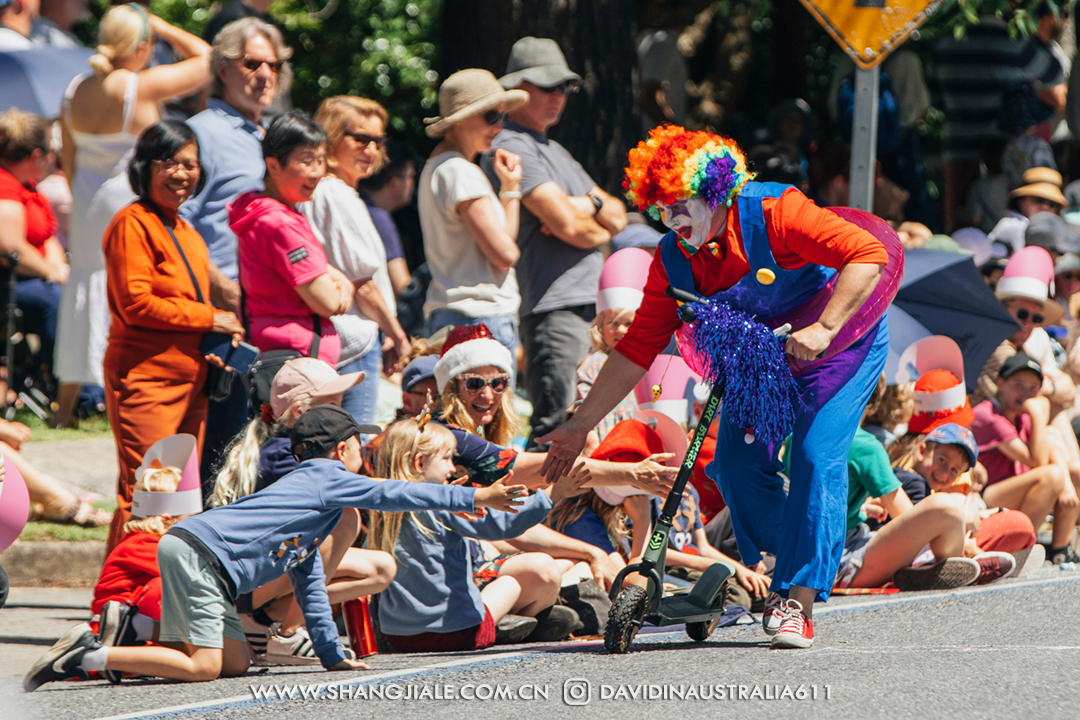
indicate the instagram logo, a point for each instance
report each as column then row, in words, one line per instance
column 577, row 691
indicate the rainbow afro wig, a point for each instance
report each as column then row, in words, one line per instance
column 678, row 164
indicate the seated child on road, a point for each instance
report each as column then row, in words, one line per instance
column 206, row 561
column 1025, row 462
column 433, row 605
column 607, row 329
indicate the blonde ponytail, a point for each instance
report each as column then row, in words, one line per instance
column 121, row 32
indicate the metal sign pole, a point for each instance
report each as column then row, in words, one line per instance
column 864, row 139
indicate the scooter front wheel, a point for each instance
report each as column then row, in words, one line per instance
column 625, row 618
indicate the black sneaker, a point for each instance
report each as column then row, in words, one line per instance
column 513, row 629
column 1064, row 555
column 554, row 623
column 115, row 629
column 62, row 660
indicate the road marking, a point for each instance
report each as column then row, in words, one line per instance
column 478, row 663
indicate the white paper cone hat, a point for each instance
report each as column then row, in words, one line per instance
column 174, row 451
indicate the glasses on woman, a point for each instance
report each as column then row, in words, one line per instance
column 1073, row 275
column 494, row 117
column 253, row 64
column 1022, row 314
column 171, row 166
column 364, row 139
column 475, row 384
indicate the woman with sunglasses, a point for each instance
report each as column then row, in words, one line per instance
column 159, row 297
column 103, row 116
column 473, row 377
column 470, row 233
column 340, row 220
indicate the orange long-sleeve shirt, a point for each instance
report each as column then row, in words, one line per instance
column 157, row 320
column 799, row 233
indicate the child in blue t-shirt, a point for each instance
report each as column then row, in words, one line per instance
column 209, row 559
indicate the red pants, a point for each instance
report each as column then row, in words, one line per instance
column 143, row 410
column 1006, row 531
column 475, row 638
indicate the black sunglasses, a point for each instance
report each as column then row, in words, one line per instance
column 365, row 139
column 253, row 64
column 1023, row 314
column 476, row 384
column 570, row 86
column 494, row 117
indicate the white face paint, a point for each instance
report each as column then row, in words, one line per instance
column 690, row 219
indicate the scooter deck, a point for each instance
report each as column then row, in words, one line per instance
column 676, row 609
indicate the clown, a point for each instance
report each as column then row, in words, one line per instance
column 765, row 250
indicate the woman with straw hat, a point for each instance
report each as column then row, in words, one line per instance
column 469, row 231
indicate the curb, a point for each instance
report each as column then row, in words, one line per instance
column 53, row 564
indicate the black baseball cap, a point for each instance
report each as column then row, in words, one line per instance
column 1020, row 361
column 321, row 428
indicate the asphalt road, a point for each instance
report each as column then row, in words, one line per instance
column 1009, row 650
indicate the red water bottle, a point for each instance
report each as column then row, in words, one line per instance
column 358, row 624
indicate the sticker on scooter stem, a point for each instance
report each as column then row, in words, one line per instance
column 656, row 541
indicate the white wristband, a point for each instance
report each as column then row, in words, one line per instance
column 511, row 195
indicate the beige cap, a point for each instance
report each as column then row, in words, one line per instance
column 307, row 377
column 471, row 92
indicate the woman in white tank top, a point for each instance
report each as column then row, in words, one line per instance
column 103, row 115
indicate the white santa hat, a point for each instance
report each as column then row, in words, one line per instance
column 174, row 451
column 622, row 281
column 468, row 347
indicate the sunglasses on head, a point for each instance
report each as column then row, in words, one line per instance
column 365, row 139
column 570, row 86
column 476, row 384
column 1023, row 314
column 494, row 117
column 253, row 64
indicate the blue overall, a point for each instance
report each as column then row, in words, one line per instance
column 805, row 527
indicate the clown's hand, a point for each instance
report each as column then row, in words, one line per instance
column 810, row 342
column 566, row 443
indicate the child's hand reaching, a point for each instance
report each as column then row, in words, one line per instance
column 571, row 485
column 500, row 496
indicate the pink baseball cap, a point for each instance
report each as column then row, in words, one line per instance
column 307, row 377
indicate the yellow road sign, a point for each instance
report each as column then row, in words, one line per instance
column 870, row 29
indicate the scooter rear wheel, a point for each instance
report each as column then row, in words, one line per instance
column 625, row 618
column 701, row 631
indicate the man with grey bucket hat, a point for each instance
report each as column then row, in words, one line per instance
column 565, row 221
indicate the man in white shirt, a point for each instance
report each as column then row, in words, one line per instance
column 16, row 17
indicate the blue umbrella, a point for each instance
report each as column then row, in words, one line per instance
column 946, row 295
column 34, row 80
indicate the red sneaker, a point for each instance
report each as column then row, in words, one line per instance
column 796, row 630
column 993, row 566
column 774, row 613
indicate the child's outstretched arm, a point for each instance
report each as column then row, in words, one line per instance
column 500, row 496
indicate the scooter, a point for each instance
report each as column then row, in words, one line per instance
column 700, row 606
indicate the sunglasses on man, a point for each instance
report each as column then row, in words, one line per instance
column 253, row 64
column 570, row 86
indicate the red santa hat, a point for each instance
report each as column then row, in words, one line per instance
column 650, row 432
column 622, row 281
column 468, row 347
column 173, row 451
column 676, row 382
column 940, row 394
column 1029, row 275
column 14, row 504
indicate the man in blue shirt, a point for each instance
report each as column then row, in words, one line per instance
column 250, row 65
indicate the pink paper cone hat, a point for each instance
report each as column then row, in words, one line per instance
column 622, row 281
column 1030, row 275
column 676, row 381
column 173, row 451
column 936, row 366
column 14, row 505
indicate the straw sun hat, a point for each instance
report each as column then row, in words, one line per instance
column 1040, row 182
column 471, row 92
